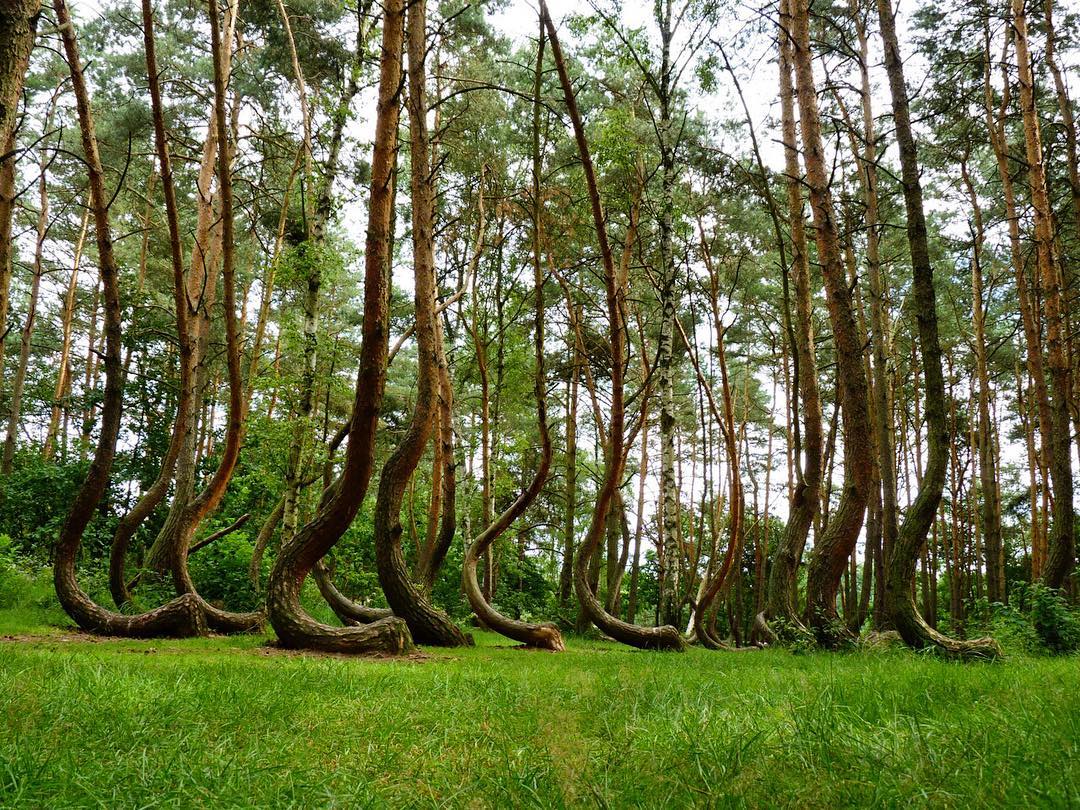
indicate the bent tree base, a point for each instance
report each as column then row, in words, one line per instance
column 297, row 630
column 183, row 616
column 917, row 634
column 349, row 611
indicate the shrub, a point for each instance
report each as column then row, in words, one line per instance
column 221, row 572
column 1057, row 625
column 1037, row 619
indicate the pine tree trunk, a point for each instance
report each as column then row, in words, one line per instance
column 566, row 572
column 995, row 585
column 666, row 637
column 183, row 616
column 27, row 333
column 427, row 624
column 1061, row 556
column 18, row 27
column 294, row 627
column 835, row 545
column 804, row 507
column 63, row 363
column 900, row 564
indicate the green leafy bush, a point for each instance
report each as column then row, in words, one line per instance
column 1037, row 619
column 221, row 572
column 1057, row 625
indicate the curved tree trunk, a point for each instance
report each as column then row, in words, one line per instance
column 167, row 554
column 294, row 627
column 1061, row 554
column 183, row 616
column 210, row 497
column 18, row 27
column 442, row 511
column 427, row 624
column 806, row 497
column 344, row 608
column 546, row 636
column 665, row 637
column 708, row 605
column 441, row 534
column 153, row 496
column 900, row 564
column 835, row 545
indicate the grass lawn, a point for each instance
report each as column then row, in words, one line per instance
column 229, row 722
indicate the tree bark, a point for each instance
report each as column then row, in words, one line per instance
column 879, row 315
column 833, row 546
column 665, row 637
column 63, row 362
column 806, row 498
column 153, row 496
column 900, row 564
column 294, row 627
column 1061, row 556
column 544, row 636
column 566, row 572
column 18, row 27
column 427, row 624
column 27, row 332
column 991, row 524
column 183, row 616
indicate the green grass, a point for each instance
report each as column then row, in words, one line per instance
column 225, row 722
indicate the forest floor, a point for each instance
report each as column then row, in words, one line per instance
column 231, row 722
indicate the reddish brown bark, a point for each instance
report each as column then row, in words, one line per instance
column 428, row 624
column 183, row 616
column 294, row 627
column 665, row 637
column 836, row 543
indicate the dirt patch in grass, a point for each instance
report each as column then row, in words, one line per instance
column 269, row 649
column 53, row 638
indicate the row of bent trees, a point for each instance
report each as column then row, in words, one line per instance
column 411, row 617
